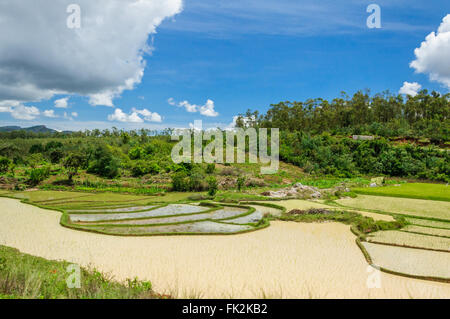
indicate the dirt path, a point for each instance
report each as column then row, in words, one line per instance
column 285, row 260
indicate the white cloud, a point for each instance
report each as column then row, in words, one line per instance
column 22, row 112
column 62, row 103
column 49, row 113
column 191, row 108
column 171, row 101
column 74, row 114
column 149, row 116
column 432, row 57
column 410, row 88
column 40, row 56
column 134, row 116
column 19, row 111
column 120, row 116
column 206, row 110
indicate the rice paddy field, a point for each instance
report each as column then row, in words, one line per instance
column 418, row 262
column 403, row 206
column 245, row 258
column 409, row 190
column 285, row 260
column 402, row 238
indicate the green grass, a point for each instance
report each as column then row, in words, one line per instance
column 410, row 190
column 40, row 196
column 29, row 277
column 361, row 225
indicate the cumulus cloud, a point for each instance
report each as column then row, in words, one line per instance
column 133, row 117
column 207, row 109
column 22, row 112
column 62, row 103
column 40, row 56
column 432, row 57
column 149, row 116
column 49, row 113
column 410, row 88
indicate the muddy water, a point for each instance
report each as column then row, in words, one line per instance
column 289, row 260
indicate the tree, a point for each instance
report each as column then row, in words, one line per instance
column 212, row 186
column 240, row 182
column 4, row 164
column 37, row 175
column 72, row 163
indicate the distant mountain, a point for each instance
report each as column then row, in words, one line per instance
column 34, row 129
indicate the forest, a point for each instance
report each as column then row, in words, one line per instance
column 410, row 139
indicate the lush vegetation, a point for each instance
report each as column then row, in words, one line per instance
column 410, row 190
column 315, row 144
column 425, row 115
column 25, row 276
column 363, row 225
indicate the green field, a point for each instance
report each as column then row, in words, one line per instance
column 426, row 209
column 409, row 190
column 29, row 277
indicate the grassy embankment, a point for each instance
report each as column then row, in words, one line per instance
column 29, row 277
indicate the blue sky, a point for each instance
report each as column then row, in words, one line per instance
column 250, row 54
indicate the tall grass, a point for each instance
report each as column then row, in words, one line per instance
column 25, row 276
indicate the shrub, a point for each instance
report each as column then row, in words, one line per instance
column 4, row 164
column 56, row 156
column 52, row 145
column 240, row 183
column 180, row 182
column 135, row 153
column 141, row 168
column 212, row 186
column 36, row 148
column 38, row 175
column 104, row 164
column 72, row 163
column 210, row 168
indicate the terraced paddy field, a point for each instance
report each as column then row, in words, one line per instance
column 409, row 190
column 406, row 239
column 429, row 223
column 428, row 231
column 416, row 262
column 404, row 206
column 286, row 260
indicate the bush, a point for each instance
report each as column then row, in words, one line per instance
column 104, row 164
column 141, row 168
column 38, row 175
column 56, row 156
column 212, row 186
column 4, row 164
column 36, row 148
column 180, row 182
column 72, row 163
column 210, row 168
column 136, row 153
column 240, row 183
